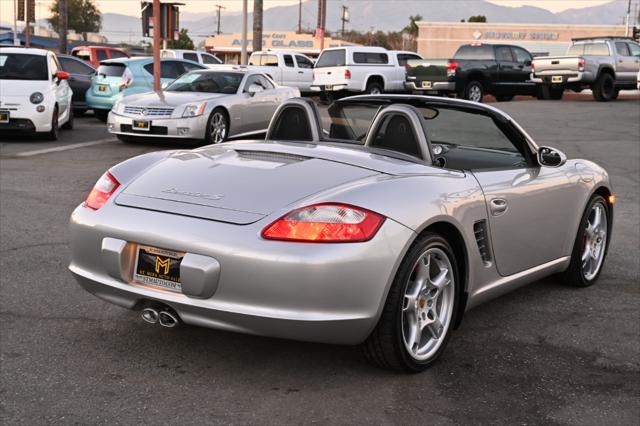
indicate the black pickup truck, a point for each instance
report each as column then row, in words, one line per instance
column 475, row 70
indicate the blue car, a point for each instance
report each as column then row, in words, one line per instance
column 116, row 78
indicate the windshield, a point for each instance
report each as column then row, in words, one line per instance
column 112, row 70
column 331, row 58
column 19, row 66
column 208, row 82
column 348, row 122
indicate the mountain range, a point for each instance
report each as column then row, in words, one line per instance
column 384, row 15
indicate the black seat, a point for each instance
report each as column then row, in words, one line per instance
column 292, row 125
column 397, row 135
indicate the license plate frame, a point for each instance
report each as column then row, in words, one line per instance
column 158, row 268
column 141, row 125
column 427, row 85
column 5, row 117
column 328, row 87
column 102, row 88
column 556, row 79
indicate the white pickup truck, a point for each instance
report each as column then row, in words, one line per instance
column 371, row 70
column 285, row 67
column 198, row 56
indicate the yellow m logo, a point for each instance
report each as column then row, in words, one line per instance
column 163, row 263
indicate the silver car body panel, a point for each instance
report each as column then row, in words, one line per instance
column 309, row 291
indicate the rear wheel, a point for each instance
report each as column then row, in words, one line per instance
column 374, row 88
column 101, row 114
column 217, row 127
column 604, row 88
column 590, row 247
column 417, row 319
column 474, row 91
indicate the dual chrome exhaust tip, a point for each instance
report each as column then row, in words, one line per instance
column 165, row 316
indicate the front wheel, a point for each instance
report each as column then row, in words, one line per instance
column 217, row 127
column 417, row 319
column 52, row 135
column 69, row 124
column 474, row 91
column 590, row 246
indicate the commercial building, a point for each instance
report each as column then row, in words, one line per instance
column 228, row 46
column 442, row 39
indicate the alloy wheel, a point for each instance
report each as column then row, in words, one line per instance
column 594, row 241
column 475, row 93
column 218, row 128
column 428, row 303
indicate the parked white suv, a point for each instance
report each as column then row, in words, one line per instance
column 285, row 67
column 34, row 93
column 198, row 56
column 370, row 70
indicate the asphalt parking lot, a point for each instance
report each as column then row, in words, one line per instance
column 546, row 353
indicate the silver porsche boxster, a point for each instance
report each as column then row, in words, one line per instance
column 378, row 222
column 207, row 105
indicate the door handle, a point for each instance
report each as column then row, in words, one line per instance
column 300, row 72
column 498, row 206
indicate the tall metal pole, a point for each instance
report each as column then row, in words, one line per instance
column 27, row 32
column 219, row 8
column 322, row 10
column 626, row 27
column 299, row 16
column 257, row 25
column 324, row 22
column 16, row 42
column 156, row 46
column 62, row 25
column 243, row 52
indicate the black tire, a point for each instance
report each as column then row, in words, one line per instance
column 385, row 345
column 575, row 275
column 374, row 88
column 616, row 92
column 474, row 91
column 215, row 114
column 52, row 135
column 69, row 124
column 79, row 112
column 101, row 114
column 604, row 88
column 504, row 98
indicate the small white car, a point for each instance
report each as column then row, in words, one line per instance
column 34, row 93
column 362, row 69
column 198, row 56
column 285, row 67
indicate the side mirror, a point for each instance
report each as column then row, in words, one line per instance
column 254, row 88
column 527, row 63
column 62, row 75
column 551, row 157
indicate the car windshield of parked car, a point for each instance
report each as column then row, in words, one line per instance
column 331, row 58
column 111, row 70
column 207, row 82
column 19, row 66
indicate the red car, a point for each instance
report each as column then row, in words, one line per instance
column 95, row 54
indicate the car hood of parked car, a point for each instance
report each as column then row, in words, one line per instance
column 169, row 99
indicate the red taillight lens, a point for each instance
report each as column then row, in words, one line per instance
column 102, row 191
column 533, row 66
column 452, row 66
column 581, row 64
column 325, row 223
column 347, row 74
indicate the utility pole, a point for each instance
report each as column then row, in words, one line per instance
column 219, row 8
column 626, row 27
column 257, row 25
column 156, row 45
column 243, row 51
column 299, row 16
column 322, row 20
column 344, row 19
column 63, row 23
column 16, row 42
column 27, row 30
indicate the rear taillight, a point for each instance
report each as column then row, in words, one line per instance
column 533, row 66
column 452, row 66
column 581, row 64
column 325, row 223
column 406, row 68
column 347, row 74
column 102, row 191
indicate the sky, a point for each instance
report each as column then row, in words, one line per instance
column 132, row 7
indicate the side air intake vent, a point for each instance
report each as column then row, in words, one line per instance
column 276, row 157
column 482, row 239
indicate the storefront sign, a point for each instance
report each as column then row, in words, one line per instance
column 515, row 35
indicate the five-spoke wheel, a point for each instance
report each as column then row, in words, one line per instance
column 218, row 127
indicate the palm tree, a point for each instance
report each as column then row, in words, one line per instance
column 257, row 25
column 412, row 28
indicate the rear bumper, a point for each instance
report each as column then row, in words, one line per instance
column 568, row 77
column 100, row 102
column 436, row 86
column 180, row 128
column 330, row 293
column 329, row 87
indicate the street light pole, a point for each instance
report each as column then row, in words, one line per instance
column 243, row 52
column 62, row 27
column 27, row 31
column 156, row 45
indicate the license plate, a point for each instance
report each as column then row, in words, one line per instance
column 556, row 79
column 328, row 87
column 4, row 116
column 158, row 267
column 102, row 88
column 426, row 85
column 143, row 125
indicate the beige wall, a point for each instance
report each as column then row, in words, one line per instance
column 442, row 39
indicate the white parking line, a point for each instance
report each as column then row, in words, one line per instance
column 63, row 148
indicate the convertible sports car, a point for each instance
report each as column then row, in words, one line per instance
column 379, row 222
column 209, row 105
